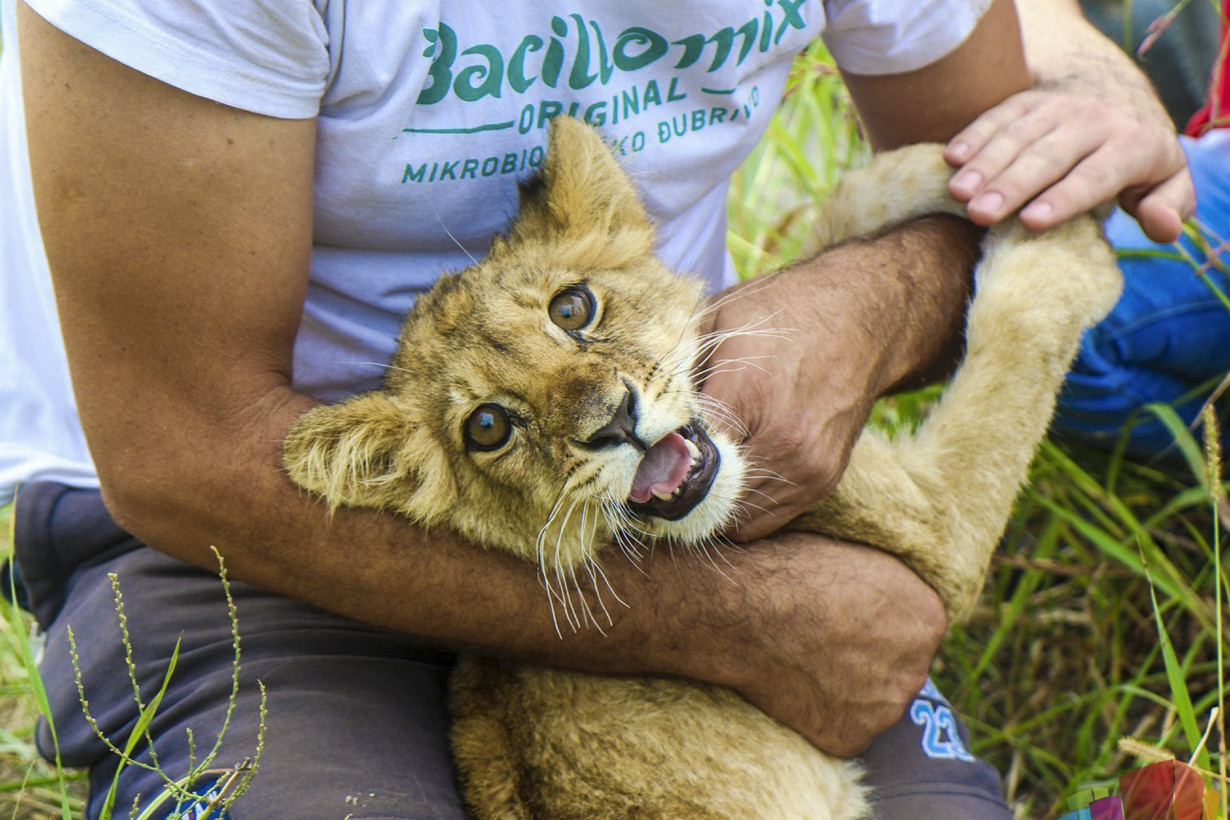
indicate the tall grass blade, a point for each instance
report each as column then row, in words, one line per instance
column 1177, row 678
column 16, row 626
column 139, row 732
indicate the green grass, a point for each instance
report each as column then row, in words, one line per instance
column 1073, row 648
column 1105, row 564
column 29, row 788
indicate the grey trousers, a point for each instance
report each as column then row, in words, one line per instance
column 356, row 718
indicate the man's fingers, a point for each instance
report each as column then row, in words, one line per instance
column 1064, row 163
column 1159, row 209
column 1055, row 156
column 1162, row 210
column 974, row 137
column 1057, row 166
column 1091, row 182
column 1008, row 152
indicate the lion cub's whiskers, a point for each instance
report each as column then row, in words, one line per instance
column 570, row 612
column 708, row 342
column 626, row 531
column 558, row 572
column 621, row 522
column 755, row 470
column 618, row 522
column 630, row 546
column 456, row 242
column 744, row 503
column 544, row 572
column 715, row 410
column 691, row 361
column 761, row 493
column 687, row 359
column 701, row 549
column 715, row 543
column 595, row 572
column 739, row 515
column 381, row 365
column 587, row 549
column 729, row 296
column 731, row 366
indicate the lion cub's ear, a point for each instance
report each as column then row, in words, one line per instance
column 580, row 193
column 366, row 452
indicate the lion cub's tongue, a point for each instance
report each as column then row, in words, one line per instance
column 662, row 469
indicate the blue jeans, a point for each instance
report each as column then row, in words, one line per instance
column 1168, row 338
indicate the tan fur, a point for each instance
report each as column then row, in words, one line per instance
column 533, row 742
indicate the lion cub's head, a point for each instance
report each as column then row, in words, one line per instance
column 541, row 401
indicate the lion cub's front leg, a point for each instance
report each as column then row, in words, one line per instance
column 940, row 498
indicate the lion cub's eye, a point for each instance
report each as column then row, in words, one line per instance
column 572, row 308
column 488, row 428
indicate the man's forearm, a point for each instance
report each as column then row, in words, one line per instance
column 856, row 322
column 1065, row 52
column 827, row 637
column 909, row 288
column 371, row 566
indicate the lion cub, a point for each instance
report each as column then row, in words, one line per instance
column 542, row 402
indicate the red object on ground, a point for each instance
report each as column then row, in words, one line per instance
column 1169, row 790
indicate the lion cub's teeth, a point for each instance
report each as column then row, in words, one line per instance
column 694, row 452
column 662, row 496
column 692, row 449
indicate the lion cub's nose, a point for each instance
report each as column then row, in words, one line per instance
column 621, row 429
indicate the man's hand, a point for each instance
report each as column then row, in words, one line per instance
column 1062, row 154
column 1067, row 125
column 1090, row 129
column 800, row 382
column 824, row 340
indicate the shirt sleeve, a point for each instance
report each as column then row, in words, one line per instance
column 872, row 37
column 269, row 57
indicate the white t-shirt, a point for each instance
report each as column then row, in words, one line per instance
column 428, row 114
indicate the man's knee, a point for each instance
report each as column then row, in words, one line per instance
column 922, row 769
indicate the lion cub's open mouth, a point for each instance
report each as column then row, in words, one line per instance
column 675, row 474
